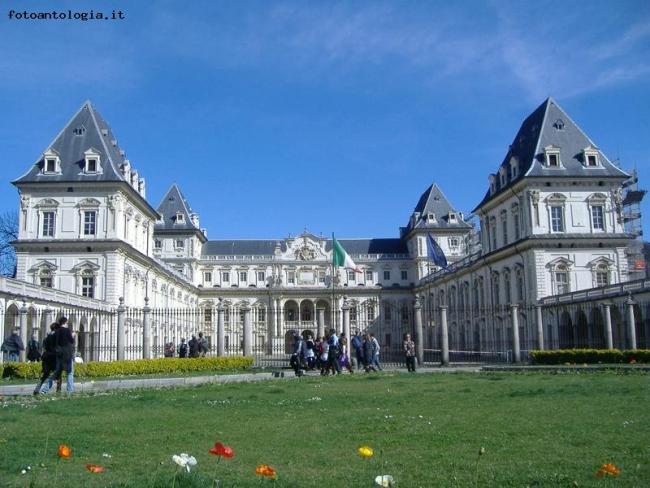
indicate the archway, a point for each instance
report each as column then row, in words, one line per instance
column 565, row 331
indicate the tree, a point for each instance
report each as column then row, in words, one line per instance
column 8, row 233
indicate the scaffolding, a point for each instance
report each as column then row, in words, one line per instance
column 632, row 197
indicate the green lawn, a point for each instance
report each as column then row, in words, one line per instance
column 537, row 429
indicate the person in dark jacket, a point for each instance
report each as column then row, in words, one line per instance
column 182, row 349
column 368, row 349
column 12, row 345
column 194, row 347
column 33, row 349
column 298, row 354
column 64, row 355
column 48, row 358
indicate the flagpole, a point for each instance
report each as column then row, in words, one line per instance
column 332, row 319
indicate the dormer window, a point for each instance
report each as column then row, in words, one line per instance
column 51, row 162
column 514, row 167
column 559, row 124
column 590, row 157
column 493, row 186
column 452, row 217
column 552, row 157
column 431, row 217
column 92, row 161
column 180, row 218
column 502, row 176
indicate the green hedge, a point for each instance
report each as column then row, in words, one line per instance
column 591, row 356
column 136, row 367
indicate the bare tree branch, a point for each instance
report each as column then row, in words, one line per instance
column 8, row 233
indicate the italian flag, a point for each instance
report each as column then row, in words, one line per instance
column 342, row 258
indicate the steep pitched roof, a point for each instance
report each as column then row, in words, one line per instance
column 86, row 130
column 175, row 211
column 549, row 126
column 435, row 202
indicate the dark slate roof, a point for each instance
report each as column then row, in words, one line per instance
column 251, row 247
column 267, row 247
column 172, row 203
column 548, row 126
column 433, row 200
column 87, row 129
column 371, row 246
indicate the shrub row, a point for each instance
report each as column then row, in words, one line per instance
column 590, row 356
column 136, row 367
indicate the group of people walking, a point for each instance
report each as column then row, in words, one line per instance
column 196, row 347
column 57, row 358
column 330, row 354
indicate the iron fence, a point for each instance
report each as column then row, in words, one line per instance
column 475, row 336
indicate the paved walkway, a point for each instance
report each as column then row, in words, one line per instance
column 27, row 389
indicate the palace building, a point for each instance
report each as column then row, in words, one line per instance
column 552, row 222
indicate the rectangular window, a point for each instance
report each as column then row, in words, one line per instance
column 321, row 276
column 387, row 315
column 180, row 244
column 291, row 277
column 368, row 275
column 553, row 160
column 557, row 219
column 48, row 224
column 351, row 276
column 243, row 276
column 225, row 277
column 90, row 218
column 46, row 281
column 561, row 282
column 207, row 315
column 404, row 274
column 520, row 288
column 505, row 232
column 516, row 222
column 386, row 275
column 91, row 166
column 370, row 314
column 592, row 161
column 50, row 166
column 88, row 286
column 602, row 278
column 261, row 276
column 404, row 312
column 207, row 277
column 157, row 244
column 261, row 315
column 597, row 217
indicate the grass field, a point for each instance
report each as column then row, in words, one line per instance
column 537, row 430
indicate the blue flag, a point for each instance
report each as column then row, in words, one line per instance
column 435, row 253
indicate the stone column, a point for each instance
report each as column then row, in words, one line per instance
column 320, row 315
column 540, row 327
column 419, row 342
column 221, row 330
column 444, row 337
column 609, row 340
column 516, row 351
column 121, row 323
column 280, row 318
column 631, row 326
column 248, row 330
column 270, row 326
column 345, row 309
column 146, row 330
column 23, row 330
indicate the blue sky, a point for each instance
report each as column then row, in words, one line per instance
column 276, row 116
